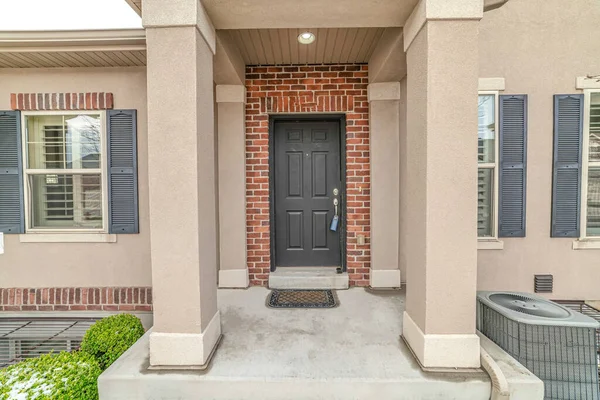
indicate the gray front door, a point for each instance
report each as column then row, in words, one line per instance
column 307, row 171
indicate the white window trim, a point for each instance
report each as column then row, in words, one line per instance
column 486, row 240
column 489, row 244
column 74, row 235
column 62, row 237
column 585, row 82
column 585, row 242
column 491, row 84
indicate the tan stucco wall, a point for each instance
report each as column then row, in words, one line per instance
column 388, row 61
column 243, row 14
column 403, row 176
column 125, row 263
column 182, row 179
column 385, row 120
column 540, row 47
column 232, row 190
column 441, row 183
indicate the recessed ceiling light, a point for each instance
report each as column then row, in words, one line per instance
column 306, row 37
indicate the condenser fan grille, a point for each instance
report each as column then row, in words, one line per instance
column 530, row 306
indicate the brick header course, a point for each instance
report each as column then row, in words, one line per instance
column 76, row 299
column 61, row 101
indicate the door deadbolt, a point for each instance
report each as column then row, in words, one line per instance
column 335, row 192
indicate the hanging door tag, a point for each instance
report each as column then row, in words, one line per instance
column 334, row 223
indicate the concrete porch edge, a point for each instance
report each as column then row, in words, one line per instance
column 522, row 383
column 297, row 355
column 441, row 351
column 271, row 361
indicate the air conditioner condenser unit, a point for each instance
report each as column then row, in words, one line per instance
column 555, row 343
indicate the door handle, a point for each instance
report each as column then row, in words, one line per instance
column 334, row 221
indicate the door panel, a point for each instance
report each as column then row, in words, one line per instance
column 320, row 229
column 294, row 174
column 307, row 170
column 319, row 174
column 294, row 230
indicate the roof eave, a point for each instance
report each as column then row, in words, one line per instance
column 110, row 39
column 135, row 7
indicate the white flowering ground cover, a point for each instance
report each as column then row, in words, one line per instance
column 50, row 377
column 72, row 376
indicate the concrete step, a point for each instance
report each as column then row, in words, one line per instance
column 308, row 278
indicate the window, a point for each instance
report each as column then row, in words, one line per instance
column 590, row 198
column 487, row 156
column 64, row 171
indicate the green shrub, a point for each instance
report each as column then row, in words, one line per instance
column 64, row 376
column 110, row 337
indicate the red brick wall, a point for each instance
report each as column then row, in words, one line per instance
column 76, row 299
column 318, row 89
column 61, row 101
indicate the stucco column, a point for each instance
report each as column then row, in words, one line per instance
column 233, row 269
column 384, row 114
column 441, row 39
column 182, row 177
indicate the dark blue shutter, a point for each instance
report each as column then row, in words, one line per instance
column 513, row 165
column 122, row 172
column 566, row 185
column 12, row 215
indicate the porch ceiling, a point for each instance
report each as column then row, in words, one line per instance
column 280, row 46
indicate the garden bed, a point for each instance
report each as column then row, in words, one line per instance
column 72, row 375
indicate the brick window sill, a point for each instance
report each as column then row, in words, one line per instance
column 68, row 238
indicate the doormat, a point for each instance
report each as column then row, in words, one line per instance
column 302, row 299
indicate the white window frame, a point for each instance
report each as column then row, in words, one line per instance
column 103, row 174
column 585, row 164
column 496, row 166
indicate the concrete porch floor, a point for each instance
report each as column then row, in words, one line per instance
column 353, row 351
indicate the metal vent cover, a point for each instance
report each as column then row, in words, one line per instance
column 528, row 308
column 23, row 338
column 543, row 283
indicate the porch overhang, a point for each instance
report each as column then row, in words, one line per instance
column 241, row 14
column 100, row 48
column 238, row 14
column 52, row 49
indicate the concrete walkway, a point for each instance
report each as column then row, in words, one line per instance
column 353, row 351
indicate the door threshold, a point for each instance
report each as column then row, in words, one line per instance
column 308, row 278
